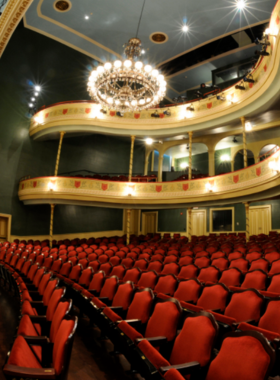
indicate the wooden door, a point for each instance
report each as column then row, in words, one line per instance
column 4, row 227
column 149, row 222
column 134, row 222
column 260, row 219
column 198, row 222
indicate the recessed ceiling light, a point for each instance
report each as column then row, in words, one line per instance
column 185, row 28
column 86, row 17
column 143, row 51
column 37, row 88
column 240, row 4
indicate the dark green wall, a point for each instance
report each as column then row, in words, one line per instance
column 222, row 166
column 30, row 58
column 172, row 220
column 275, row 212
column 239, row 161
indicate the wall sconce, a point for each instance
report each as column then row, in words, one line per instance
column 190, row 108
column 51, row 186
column 209, row 187
column 271, row 32
column 230, row 98
column 274, row 166
column 184, row 165
column 248, row 126
column 149, row 141
column 249, row 79
column 240, row 86
column 261, row 53
column 155, row 114
column 225, row 157
column 38, row 119
column 167, row 112
column 221, row 97
column 103, row 111
column 130, row 190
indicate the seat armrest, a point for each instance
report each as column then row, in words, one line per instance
column 116, row 308
column 38, row 318
column 35, row 373
column 105, row 300
column 250, row 322
column 37, row 340
column 133, row 322
column 184, row 369
column 92, row 291
column 156, row 341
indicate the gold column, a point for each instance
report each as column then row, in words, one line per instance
column 232, row 165
column 244, row 142
column 189, row 223
column 58, row 153
column 246, row 204
column 211, row 162
column 131, row 158
column 190, row 155
column 128, row 213
column 146, row 165
column 160, row 162
column 153, row 161
column 51, row 224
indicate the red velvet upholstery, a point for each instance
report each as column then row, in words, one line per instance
column 156, row 266
column 270, row 320
column 26, row 327
column 115, row 260
column 163, row 326
column 148, row 280
column 253, row 256
column 171, row 268
column 173, row 374
column 188, row 271
column 53, row 302
column 97, row 282
column 242, row 358
column 86, row 277
column 118, row 271
column 222, row 263
column 186, row 260
column 268, row 334
column 170, row 259
column 128, row 262
column 26, row 308
column 94, row 265
column 132, row 274
column 213, row 298
column 106, row 268
column 22, row 356
column 114, row 317
column 188, row 291
column 244, row 306
column 231, row 277
column 38, row 277
column 166, row 285
column 123, row 295
column 275, row 268
column 44, row 282
column 59, row 314
column 140, row 306
column 255, row 280
column 260, row 264
column 210, row 274
column 65, row 329
column 272, row 256
column 241, row 264
column 152, row 354
column 129, row 331
column 202, row 262
column 109, row 288
column 49, row 291
column 275, row 284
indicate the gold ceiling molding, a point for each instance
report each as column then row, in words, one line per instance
column 10, row 18
column 249, row 181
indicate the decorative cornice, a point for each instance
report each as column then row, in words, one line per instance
column 13, row 13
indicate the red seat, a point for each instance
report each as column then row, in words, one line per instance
column 241, row 264
column 256, row 279
column 188, row 290
column 231, row 277
column 188, row 271
column 214, row 297
column 272, row 256
column 202, row 262
column 132, row 275
column 210, row 274
column 222, row 263
column 260, row 264
column 166, row 284
column 171, row 268
column 156, row 266
column 148, row 280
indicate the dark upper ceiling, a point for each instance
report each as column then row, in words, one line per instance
column 219, row 33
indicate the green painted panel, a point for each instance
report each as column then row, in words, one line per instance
column 172, row 220
column 222, row 166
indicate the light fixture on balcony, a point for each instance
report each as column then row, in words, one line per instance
column 209, row 187
column 274, row 166
column 127, row 85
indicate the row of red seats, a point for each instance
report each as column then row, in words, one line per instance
column 160, row 323
column 44, row 338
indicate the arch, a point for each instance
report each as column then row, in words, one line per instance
column 238, row 161
column 267, row 150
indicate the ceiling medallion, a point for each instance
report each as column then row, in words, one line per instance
column 158, row 37
column 62, row 5
column 127, row 85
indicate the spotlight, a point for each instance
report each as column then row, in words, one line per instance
column 261, row 53
column 248, row 126
column 149, row 141
column 36, row 94
column 239, row 87
column 248, row 79
column 167, row 112
column 103, row 110
column 241, row 4
column 264, row 42
column 190, row 108
column 155, row 114
column 37, row 88
column 30, row 105
column 143, row 51
column 33, row 99
column 185, row 28
column 120, row 114
column 221, row 97
column 86, row 17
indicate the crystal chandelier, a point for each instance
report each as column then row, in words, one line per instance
column 127, row 85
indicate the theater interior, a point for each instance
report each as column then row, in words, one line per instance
column 140, row 189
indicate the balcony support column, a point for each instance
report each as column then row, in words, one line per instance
column 51, row 224
column 128, row 214
column 189, row 220
column 190, row 154
column 244, row 142
column 58, row 153
column 211, row 162
column 247, row 209
column 131, row 158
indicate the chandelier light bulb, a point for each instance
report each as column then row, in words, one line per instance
column 100, row 69
column 160, row 78
column 148, row 68
column 108, row 66
column 185, row 28
column 37, row 88
column 240, row 4
column 134, row 102
column 33, row 99
column 110, row 100
column 118, row 64
column 138, row 65
column 142, row 101
column 31, row 105
column 127, row 63
column 154, row 73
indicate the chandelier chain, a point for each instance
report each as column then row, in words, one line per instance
column 140, row 18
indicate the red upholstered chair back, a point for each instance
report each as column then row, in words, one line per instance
column 202, row 262
column 75, row 273
column 156, row 266
column 86, row 277
column 243, row 356
column 164, row 320
column 63, row 345
column 261, row 264
column 38, row 277
column 141, row 305
column 119, row 271
column 66, row 269
column 245, row 306
column 270, row 320
column 170, row 259
column 44, row 282
column 128, row 262
column 62, row 309
column 222, row 263
column 110, row 287
column 275, row 284
column 52, row 284
column 231, row 277
column 211, row 274
column 26, row 267
column 195, row 341
column 103, row 258
column 255, row 279
column 97, row 281
column 275, row 267
column 241, row 264
column 186, row 260
column 202, row 254
column 188, row 290
column 132, row 274
column 253, row 256
column 148, row 280
column 171, row 268
column 166, row 284
column 107, row 268
column 272, row 256
column 56, row 265
column 53, row 302
column 141, row 264
column 14, row 260
column 214, row 297
column 123, row 295
column 188, row 271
